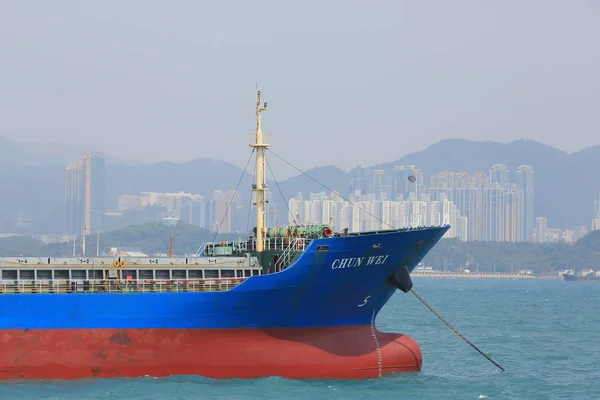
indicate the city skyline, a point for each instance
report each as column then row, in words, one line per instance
column 566, row 205
column 496, row 200
column 380, row 185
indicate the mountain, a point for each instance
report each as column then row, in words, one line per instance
column 33, row 195
column 11, row 153
column 32, row 198
column 37, row 154
column 321, row 179
column 470, row 156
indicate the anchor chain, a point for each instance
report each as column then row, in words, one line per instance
column 455, row 331
column 379, row 359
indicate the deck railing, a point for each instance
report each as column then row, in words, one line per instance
column 285, row 259
column 120, row 286
column 283, row 243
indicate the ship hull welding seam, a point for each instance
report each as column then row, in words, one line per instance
column 314, row 319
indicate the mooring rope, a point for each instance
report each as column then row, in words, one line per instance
column 455, row 331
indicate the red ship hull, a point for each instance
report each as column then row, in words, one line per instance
column 354, row 352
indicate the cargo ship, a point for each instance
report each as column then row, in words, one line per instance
column 292, row 301
column 571, row 276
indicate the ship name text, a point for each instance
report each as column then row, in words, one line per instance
column 354, row 262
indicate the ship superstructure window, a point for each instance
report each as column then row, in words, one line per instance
column 179, row 274
column 195, row 274
column 96, row 274
column 61, row 274
column 211, row 273
column 146, row 274
column 27, row 275
column 227, row 273
column 44, row 274
column 78, row 274
column 247, row 272
column 129, row 273
column 163, row 274
column 9, row 274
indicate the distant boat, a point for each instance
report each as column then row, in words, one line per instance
column 292, row 301
column 571, row 277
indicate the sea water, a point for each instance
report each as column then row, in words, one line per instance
column 545, row 333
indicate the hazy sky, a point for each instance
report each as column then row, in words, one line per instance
column 346, row 80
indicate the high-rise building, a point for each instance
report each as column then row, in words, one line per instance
column 416, row 189
column 442, row 186
column 360, row 181
column 450, row 216
column 192, row 210
column 187, row 207
column 494, row 208
column 402, row 187
column 378, row 187
column 479, row 180
column 525, row 183
column 462, row 229
column 513, row 226
column 84, row 195
column 541, row 229
column 596, row 217
column 74, row 198
column 222, row 219
column 93, row 166
column 467, row 200
column 499, row 173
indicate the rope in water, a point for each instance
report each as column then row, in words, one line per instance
column 455, row 331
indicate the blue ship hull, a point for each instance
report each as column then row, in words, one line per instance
column 322, row 301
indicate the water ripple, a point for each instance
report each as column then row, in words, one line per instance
column 544, row 333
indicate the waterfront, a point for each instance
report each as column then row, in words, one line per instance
column 479, row 275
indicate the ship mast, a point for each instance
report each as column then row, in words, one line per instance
column 261, row 186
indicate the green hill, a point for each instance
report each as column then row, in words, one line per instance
column 150, row 238
column 506, row 256
column 153, row 237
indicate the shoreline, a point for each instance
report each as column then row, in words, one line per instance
column 481, row 275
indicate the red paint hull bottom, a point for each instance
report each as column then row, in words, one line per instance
column 299, row 353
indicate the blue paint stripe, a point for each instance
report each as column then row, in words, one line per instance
column 308, row 294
